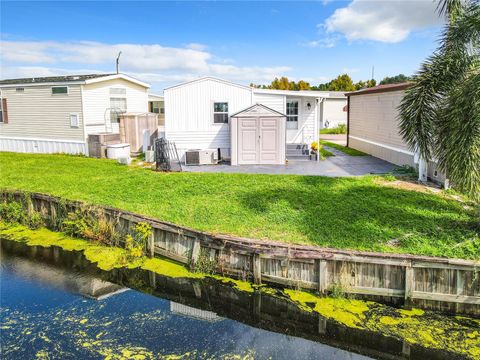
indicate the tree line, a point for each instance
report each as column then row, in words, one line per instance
column 341, row 83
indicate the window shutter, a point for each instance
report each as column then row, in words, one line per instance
column 4, row 111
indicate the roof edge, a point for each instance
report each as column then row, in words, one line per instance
column 204, row 78
column 117, row 76
column 380, row 89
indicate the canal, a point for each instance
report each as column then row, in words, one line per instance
column 55, row 304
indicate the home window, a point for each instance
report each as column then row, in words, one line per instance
column 292, row 114
column 19, row 89
column 1, row 110
column 59, row 90
column 220, row 113
column 117, row 106
column 118, row 91
column 74, row 120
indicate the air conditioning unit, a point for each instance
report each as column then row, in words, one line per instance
column 201, row 157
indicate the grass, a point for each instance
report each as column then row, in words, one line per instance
column 325, row 153
column 344, row 149
column 340, row 129
column 353, row 213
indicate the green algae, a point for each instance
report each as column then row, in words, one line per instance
column 417, row 327
column 458, row 334
column 107, row 257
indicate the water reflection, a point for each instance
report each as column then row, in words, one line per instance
column 57, row 304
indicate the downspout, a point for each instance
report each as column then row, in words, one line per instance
column 84, row 125
column 319, row 114
column 348, row 120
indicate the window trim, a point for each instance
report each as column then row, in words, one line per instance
column 78, row 120
column 298, row 114
column 220, row 112
column 62, row 94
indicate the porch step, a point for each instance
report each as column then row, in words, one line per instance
column 298, row 152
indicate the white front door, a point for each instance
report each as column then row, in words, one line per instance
column 259, row 141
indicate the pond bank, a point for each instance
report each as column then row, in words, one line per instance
column 443, row 284
column 415, row 327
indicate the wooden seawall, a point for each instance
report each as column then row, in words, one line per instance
column 450, row 285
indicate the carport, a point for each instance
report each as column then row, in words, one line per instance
column 258, row 136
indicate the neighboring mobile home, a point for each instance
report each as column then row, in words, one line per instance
column 57, row 114
column 197, row 116
column 373, row 127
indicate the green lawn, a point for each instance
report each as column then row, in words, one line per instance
column 356, row 213
column 344, row 149
column 341, row 129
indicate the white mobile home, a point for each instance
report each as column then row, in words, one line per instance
column 197, row 114
column 373, row 128
column 57, row 114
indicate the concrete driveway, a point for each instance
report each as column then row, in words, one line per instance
column 338, row 165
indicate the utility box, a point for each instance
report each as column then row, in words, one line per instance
column 97, row 143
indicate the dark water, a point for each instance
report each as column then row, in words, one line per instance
column 57, row 305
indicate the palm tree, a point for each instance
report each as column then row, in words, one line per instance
column 440, row 113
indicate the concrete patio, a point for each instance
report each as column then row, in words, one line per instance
column 338, row 165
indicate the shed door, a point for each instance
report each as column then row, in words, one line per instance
column 258, row 141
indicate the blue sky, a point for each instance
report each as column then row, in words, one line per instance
column 165, row 43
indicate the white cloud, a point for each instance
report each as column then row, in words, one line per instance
column 197, row 46
column 152, row 63
column 388, row 21
column 327, row 42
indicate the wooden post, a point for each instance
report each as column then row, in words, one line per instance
column 322, row 277
column 460, row 286
column 257, row 269
column 195, row 252
column 409, row 282
column 151, row 244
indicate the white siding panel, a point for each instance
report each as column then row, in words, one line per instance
column 273, row 101
column 333, row 112
column 36, row 113
column 42, row 146
column 96, row 98
column 189, row 113
column 373, row 117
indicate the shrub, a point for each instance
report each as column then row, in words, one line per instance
column 12, row 212
column 35, row 220
column 91, row 225
column 204, row 264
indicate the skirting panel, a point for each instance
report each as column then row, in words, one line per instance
column 43, row 146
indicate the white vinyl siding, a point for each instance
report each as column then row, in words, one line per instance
column 273, row 101
column 374, row 117
column 36, row 113
column 189, row 113
column 96, row 98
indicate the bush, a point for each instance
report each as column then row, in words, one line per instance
column 87, row 224
column 12, row 212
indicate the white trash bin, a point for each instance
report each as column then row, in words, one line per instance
column 120, row 152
